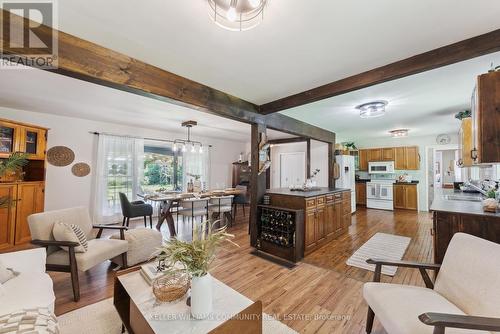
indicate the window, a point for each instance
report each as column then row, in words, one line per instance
column 162, row 168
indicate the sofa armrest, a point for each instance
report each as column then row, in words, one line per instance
column 440, row 321
column 26, row 261
column 47, row 243
column 422, row 267
column 122, row 230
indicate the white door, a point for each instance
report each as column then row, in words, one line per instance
column 292, row 169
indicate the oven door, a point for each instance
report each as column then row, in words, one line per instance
column 372, row 190
column 386, row 191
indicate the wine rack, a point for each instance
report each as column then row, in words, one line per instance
column 280, row 232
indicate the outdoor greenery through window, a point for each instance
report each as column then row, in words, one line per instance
column 162, row 168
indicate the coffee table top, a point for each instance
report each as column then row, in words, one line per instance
column 175, row 317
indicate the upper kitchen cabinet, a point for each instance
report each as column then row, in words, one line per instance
column 486, row 117
column 465, row 143
column 363, row 160
column 406, row 158
column 18, row 137
column 388, row 154
column 375, row 154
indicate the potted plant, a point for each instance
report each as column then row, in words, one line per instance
column 10, row 167
column 4, row 202
column 196, row 258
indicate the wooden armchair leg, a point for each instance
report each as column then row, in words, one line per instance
column 74, row 274
column 369, row 320
column 124, row 260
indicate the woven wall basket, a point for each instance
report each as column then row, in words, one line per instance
column 80, row 169
column 60, row 156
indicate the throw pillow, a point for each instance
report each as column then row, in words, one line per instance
column 70, row 232
column 38, row 320
column 6, row 273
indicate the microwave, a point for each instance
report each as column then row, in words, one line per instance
column 381, row 167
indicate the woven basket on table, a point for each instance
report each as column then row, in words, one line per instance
column 171, row 286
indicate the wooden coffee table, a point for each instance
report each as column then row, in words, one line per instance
column 142, row 314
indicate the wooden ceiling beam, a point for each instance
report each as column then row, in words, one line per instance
column 84, row 60
column 446, row 55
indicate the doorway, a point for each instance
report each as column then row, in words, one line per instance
column 292, row 168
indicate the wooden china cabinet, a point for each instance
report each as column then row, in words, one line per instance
column 28, row 192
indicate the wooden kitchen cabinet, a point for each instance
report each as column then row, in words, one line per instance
column 406, row 158
column 412, row 158
column 405, row 196
column 10, row 133
column 486, row 112
column 310, row 229
column 446, row 224
column 360, row 193
column 363, row 160
column 375, row 154
column 388, row 154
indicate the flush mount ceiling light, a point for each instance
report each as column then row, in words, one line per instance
column 372, row 109
column 237, row 15
column 399, row 133
column 183, row 143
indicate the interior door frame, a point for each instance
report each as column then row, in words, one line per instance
column 303, row 154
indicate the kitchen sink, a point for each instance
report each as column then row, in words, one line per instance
column 464, row 198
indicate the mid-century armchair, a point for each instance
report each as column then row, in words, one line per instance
column 465, row 297
column 99, row 250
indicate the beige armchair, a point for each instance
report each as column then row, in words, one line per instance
column 465, row 297
column 99, row 250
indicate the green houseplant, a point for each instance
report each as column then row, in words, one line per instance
column 12, row 165
column 195, row 258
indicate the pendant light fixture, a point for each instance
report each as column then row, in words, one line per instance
column 185, row 142
column 398, row 133
column 237, row 15
column 372, row 109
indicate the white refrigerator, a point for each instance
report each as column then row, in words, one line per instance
column 347, row 177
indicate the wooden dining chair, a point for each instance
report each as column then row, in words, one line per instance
column 220, row 206
column 193, row 208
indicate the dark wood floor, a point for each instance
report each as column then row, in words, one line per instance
column 321, row 295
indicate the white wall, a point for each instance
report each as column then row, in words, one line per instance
column 64, row 190
column 422, row 143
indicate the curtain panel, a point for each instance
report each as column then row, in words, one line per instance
column 120, row 168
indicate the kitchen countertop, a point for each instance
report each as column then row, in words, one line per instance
column 442, row 204
column 313, row 193
column 412, row 182
column 363, row 180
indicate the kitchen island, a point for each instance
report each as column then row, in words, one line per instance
column 454, row 211
column 324, row 214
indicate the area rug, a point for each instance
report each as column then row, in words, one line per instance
column 101, row 318
column 380, row 246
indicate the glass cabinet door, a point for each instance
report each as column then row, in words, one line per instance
column 8, row 134
column 32, row 140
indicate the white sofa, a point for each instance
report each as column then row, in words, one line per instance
column 32, row 288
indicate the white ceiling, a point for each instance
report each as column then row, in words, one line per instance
column 424, row 103
column 41, row 91
column 300, row 45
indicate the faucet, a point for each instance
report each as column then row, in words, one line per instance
column 471, row 185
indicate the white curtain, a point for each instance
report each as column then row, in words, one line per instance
column 120, row 168
column 195, row 163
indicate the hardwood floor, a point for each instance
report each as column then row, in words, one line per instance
column 320, row 295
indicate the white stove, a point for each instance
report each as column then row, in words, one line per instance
column 379, row 194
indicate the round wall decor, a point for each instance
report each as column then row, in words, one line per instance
column 60, row 156
column 80, row 169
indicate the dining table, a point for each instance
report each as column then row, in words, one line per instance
column 168, row 199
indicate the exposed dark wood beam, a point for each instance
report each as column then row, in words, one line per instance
column 446, row 55
column 287, row 140
column 84, row 60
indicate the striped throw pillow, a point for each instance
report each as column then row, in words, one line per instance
column 70, row 232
